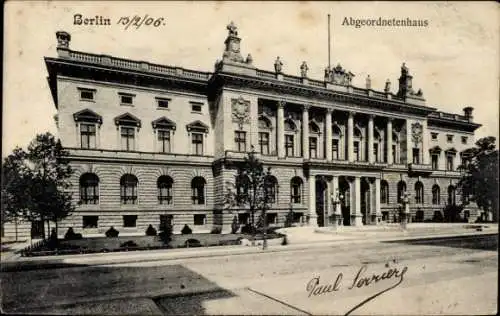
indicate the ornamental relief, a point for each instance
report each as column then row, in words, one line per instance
column 240, row 109
column 416, row 132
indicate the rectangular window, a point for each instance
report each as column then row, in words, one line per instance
column 289, row 145
column 464, row 140
column 394, row 155
column 197, row 143
column 162, row 103
column 129, row 220
column 243, row 218
column 128, row 138
column 272, row 218
column 434, row 136
column 375, row 151
column 264, row 143
column 313, row 147
column 90, row 221
column 297, row 217
column 240, row 139
column 356, row 151
column 196, row 107
column 200, row 219
column 449, row 138
column 86, row 94
column 435, row 162
column 416, row 155
column 449, row 163
column 88, row 136
column 126, row 98
column 164, row 141
column 335, row 149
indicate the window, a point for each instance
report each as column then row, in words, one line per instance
column 87, row 136
column 335, row 149
column 356, row 151
column 264, row 143
column 394, row 154
column 198, row 190
column 243, row 218
column 436, row 194
column 164, row 141
column 196, row 107
column 449, row 162
column 200, row 219
column 384, row 192
column 313, row 147
column 271, row 185
column 296, row 190
column 197, row 143
column 162, row 103
column 240, row 139
column 89, row 189
column 272, row 218
column 86, row 94
column 449, row 138
column 375, row 151
column 464, row 140
column 451, row 195
column 434, row 136
column 297, row 217
column 289, row 145
column 128, row 189
column 419, row 193
column 126, row 99
column 435, row 161
column 401, row 190
column 90, row 221
column 164, row 185
column 129, row 220
column 128, row 138
column 416, row 155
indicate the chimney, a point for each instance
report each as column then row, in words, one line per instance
column 468, row 113
column 63, row 39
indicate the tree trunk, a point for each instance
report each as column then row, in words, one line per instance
column 15, row 224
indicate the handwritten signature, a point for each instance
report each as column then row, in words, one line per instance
column 362, row 279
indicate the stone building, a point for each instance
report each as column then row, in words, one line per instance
column 152, row 143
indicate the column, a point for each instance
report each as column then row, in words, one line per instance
column 409, row 147
column 313, row 217
column 371, row 157
column 378, row 212
column 350, row 134
column 328, row 134
column 389, row 141
column 280, row 132
column 356, row 216
column 305, row 132
column 425, row 144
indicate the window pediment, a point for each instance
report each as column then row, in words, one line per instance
column 163, row 123
column 451, row 151
column 290, row 125
column 264, row 122
column 314, row 128
column 87, row 115
column 197, row 126
column 435, row 150
column 127, row 119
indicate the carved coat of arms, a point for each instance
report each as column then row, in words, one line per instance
column 240, row 109
column 416, row 132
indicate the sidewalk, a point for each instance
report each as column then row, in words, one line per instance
column 298, row 238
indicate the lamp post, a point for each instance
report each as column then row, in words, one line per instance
column 405, row 201
column 336, row 214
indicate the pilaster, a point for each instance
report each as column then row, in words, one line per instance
column 313, row 217
column 389, row 142
column 281, row 129
column 350, row 134
column 328, row 134
column 371, row 157
column 305, row 132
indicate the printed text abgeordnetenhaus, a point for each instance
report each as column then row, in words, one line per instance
column 407, row 22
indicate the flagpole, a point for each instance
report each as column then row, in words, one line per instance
column 329, row 64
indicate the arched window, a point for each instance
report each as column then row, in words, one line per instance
column 296, row 190
column 198, row 190
column 271, row 189
column 164, row 185
column 419, row 193
column 242, row 188
column 451, row 195
column 128, row 189
column 384, row 192
column 89, row 188
column 401, row 190
column 264, row 132
column 436, row 194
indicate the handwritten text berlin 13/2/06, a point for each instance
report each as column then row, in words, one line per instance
column 134, row 21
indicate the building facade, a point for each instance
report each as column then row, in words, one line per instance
column 151, row 143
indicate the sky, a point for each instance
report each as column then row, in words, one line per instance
column 454, row 60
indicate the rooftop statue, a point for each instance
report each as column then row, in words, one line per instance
column 339, row 75
column 303, row 70
column 278, row 65
column 233, row 30
column 368, row 82
column 387, row 88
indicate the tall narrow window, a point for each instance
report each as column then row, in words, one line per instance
column 335, row 149
column 128, row 189
column 240, row 139
column 401, row 190
column 271, row 184
column 87, row 136
column 264, row 143
column 436, row 198
column 89, row 189
column 375, row 151
column 416, row 156
column 296, row 190
column 197, row 143
column 394, row 154
column 164, row 185
column 384, row 192
column 128, row 138
column 357, row 155
column 449, row 162
column 198, row 190
column 313, row 147
column 164, row 141
column 451, row 195
column 289, row 145
column 435, row 161
column 419, row 193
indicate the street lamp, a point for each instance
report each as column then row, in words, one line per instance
column 336, row 214
column 405, row 201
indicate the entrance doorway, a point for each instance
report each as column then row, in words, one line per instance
column 37, row 229
column 344, row 190
column 321, row 204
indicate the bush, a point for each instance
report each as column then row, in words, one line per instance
column 150, row 231
column 235, row 225
column 216, row 230
column 186, row 230
column 192, row 243
column 71, row 235
column 166, row 233
column 112, row 232
column 128, row 244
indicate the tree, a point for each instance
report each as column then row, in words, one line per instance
column 36, row 182
column 480, row 175
column 251, row 190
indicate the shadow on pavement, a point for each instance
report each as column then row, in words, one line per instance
column 77, row 289
column 480, row 242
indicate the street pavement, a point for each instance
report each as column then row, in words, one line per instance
column 412, row 277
